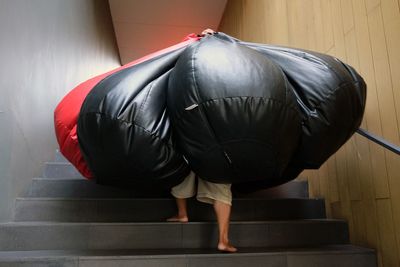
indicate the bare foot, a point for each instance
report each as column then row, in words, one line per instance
column 226, row 247
column 176, row 218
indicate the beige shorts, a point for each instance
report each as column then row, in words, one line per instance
column 207, row 192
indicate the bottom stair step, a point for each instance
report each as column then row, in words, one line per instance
column 52, row 235
column 327, row 256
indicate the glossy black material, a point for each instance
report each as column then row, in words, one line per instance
column 330, row 94
column 250, row 114
column 247, row 124
column 124, row 130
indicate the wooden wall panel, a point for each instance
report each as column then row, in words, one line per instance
column 318, row 26
column 391, row 22
column 253, row 10
column 382, row 75
column 332, row 183
column 347, row 15
column 276, row 22
column 371, row 4
column 386, row 230
column 372, row 113
column 360, row 234
column 361, row 182
column 327, row 26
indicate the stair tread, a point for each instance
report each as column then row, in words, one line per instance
column 323, row 249
column 155, row 199
column 39, row 235
column 79, row 187
column 57, row 163
column 158, row 209
column 86, row 179
column 61, row 179
column 46, row 223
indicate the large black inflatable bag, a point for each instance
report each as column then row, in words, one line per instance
column 233, row 111
column 330, row 94
column 124, row 131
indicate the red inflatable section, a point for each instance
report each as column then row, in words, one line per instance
column 67, row 112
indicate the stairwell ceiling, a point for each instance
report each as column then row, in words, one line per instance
column 144, row 26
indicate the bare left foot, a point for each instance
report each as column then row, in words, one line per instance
column 226, row 247
column 182, row 219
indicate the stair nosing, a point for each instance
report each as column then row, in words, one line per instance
column 75, row 178
column 57, row 163
column 22, row 198
column 317, row 250
column 60, row 223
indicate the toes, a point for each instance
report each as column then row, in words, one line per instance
column 177, row 219
column 226, row 248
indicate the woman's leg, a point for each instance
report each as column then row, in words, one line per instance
column 181, row 192
column 220, row 196
column 182, row 211
column 223, row 211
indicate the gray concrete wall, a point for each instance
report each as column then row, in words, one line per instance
column 46, row 48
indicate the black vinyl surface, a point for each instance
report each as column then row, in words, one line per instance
column 254, row 115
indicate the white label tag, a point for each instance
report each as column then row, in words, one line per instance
column 191, row 107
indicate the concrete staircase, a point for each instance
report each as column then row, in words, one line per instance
column 65, row 220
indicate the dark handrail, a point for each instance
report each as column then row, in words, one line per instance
column 379, row 141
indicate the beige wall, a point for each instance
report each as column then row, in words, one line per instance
column 46, row 48
column 361, row 183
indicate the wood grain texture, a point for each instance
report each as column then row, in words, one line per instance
column 361, row 182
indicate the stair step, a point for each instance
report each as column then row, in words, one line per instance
column 83, row 188
column 321, row 256
column 148, row 210
column 62, row 235
column 60, row 170
column 66, row 220
column 59, row 157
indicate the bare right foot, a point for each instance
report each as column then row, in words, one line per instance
column 226, row 247
column 182, row 219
